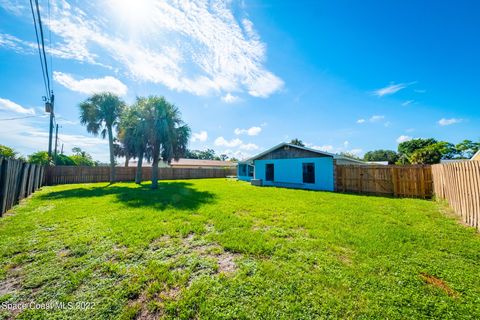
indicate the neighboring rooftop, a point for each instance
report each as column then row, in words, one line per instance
column 189, row 163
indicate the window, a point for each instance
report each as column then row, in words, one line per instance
column 308, row 173
column 269, row 172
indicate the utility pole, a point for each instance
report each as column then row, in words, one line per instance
column 50, row 108
column 56, row 142
column 61, row 152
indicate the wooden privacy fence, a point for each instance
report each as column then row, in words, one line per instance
column 399, row 181
column 69, row 174
column 17, row 181
column 459, row 184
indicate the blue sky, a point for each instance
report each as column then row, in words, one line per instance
column 340, row 75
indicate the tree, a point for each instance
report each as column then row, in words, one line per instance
column 7, row 152
column 100, row 114
column 428, row 155
column 408, row 147
column 467, row 148
column 447, row 149
column 297, row 142
column 120, row 150
column 223, row 157
column 167, row 133
column 81, row 158
column 133, row 134
column 208, row 154
column 40, row 157
column 64, row 160
column 381, row 155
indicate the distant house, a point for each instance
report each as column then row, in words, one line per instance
column 189, row 163
column 476, row 156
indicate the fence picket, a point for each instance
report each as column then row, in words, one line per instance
column 459, row 184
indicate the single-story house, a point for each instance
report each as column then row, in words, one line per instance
column 288, row 165
column 188, row 163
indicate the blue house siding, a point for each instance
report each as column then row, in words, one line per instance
column 289, row 173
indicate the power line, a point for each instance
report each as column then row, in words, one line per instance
column 43, row 44
column 49, row 99
column 50, row 41
column 39, row 50
column 17, row 118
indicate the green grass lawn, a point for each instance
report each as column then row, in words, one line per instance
column 219, row 248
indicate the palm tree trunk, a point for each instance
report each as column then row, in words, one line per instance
column 156, row 155
column 155, row 174
column 127, row 159
column 138, row 174
column 112, row 156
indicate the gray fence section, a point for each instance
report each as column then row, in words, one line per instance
column 18, row 180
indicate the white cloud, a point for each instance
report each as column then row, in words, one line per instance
column 249, row 146
column 253, row 131
column 326, row 148
column 344, row 147
column 89, row 86
column 408, row 102
column 201, row 136
column 239, row 154
column 403, row 138
column 447, row 122
column 374, row 118
column 235, row 143
column 9, row 105
column 198, row 46
column 229, row 98
column 31, row 135
column 221, row 141
column 391, row 89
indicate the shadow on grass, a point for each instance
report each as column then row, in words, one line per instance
column 178, row 195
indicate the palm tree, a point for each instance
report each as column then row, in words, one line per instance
column 100, row 114
column 297, row 142
column 167, row 134
column 133, row 135
column 119, row 150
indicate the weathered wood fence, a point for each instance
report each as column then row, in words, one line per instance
column 459, row 184
column 69, row 174
column 397, row 181
column 17, row 181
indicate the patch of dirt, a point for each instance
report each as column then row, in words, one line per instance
column 174, row 249
column 62, row 253
column 226, row 263
column 9, row 285
column 439, row 283
column 45, row 208
column 225, row 260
